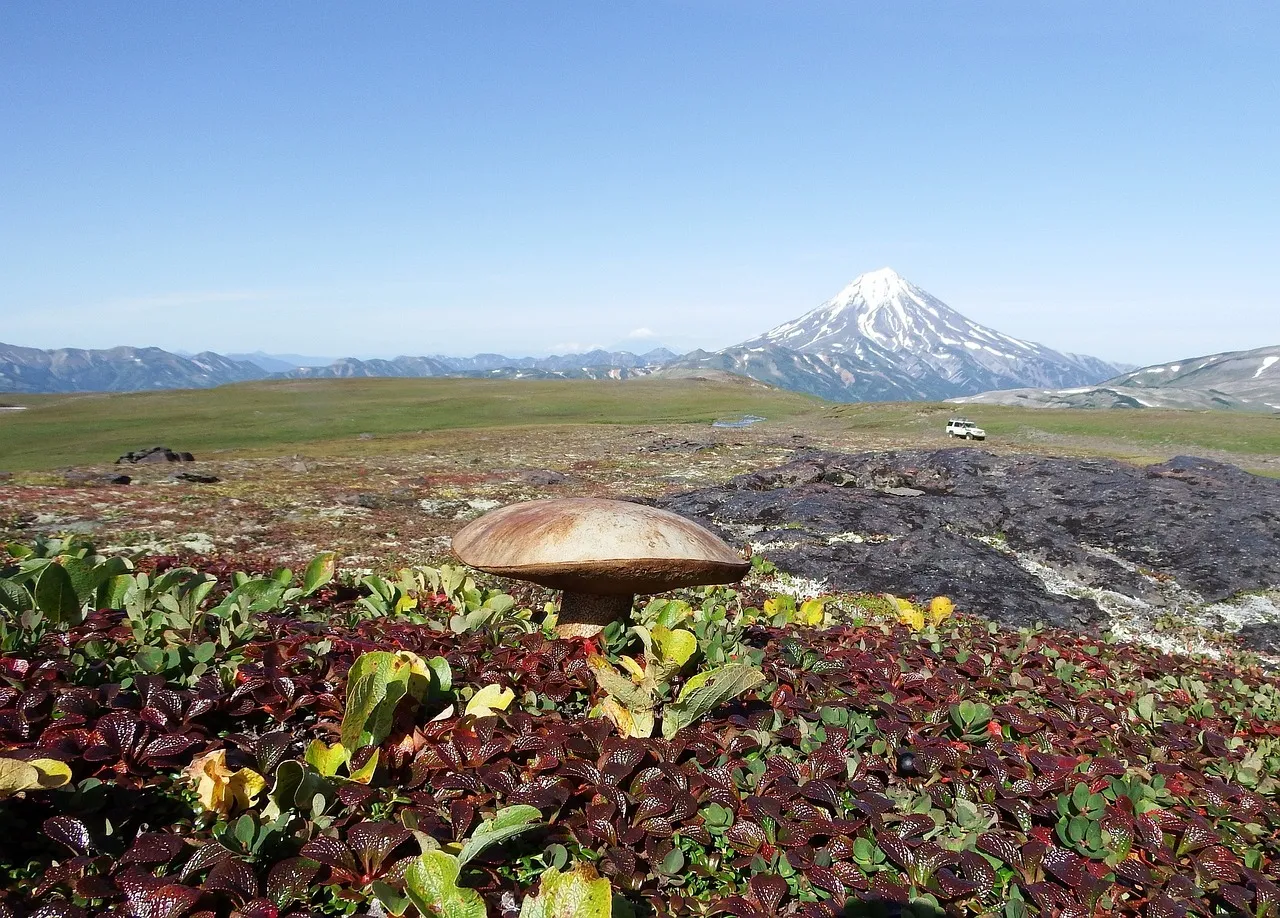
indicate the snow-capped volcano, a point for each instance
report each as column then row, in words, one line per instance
column 885, row 320
column 882, row 309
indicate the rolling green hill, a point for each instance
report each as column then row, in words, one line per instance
column 86, row 429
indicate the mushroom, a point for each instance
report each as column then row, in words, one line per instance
column 599, row 552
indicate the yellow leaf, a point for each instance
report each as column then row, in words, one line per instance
column 676, row 645
column 908, row 614
column 490, row 700
column 37, row 774
column 813, row 612
column 245, row 785
column 365, row 774
column 940, row 609
column 326, row 759
column 405, row 603
column 52, row 772
column 219, row 789
column 634, row 668
column 620, row 716
column 17, row 776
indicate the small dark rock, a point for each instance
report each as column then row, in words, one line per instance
column 540, row 477
column 154, row 454
column 6, row 476
column 372, row 500
column 676, row 445
column 195, row 478
column 81, row 478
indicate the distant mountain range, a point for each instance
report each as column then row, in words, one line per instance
column 882, row 338
column 590, row 365
column 130, row 369
column 117, row 369
column 1241, row 380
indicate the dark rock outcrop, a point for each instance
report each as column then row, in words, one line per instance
column 154, row 454
column 854, row 521
column 194, row 478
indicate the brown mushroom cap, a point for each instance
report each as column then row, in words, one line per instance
column 588, row 545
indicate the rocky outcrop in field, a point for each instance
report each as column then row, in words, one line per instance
column 1076, row 543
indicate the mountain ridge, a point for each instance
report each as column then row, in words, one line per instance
column 880, row 338
column 1239, row 380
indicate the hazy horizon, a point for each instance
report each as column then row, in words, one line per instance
column 529, row 180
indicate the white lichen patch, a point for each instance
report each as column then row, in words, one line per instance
column 764, row 548
column 337, row 513
column 1246, row 609
column 1175, row 619
column 740, row 532
column 782, row 582
column 200, row 543
column 475, row 507
column 860, row 538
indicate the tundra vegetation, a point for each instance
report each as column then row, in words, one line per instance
column 183, row 738
column 323, row 417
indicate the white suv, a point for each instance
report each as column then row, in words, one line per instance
column 959, row 427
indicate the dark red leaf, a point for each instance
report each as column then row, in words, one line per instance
column 68, row 831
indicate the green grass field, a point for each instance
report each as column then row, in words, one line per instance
column 257, row 418
column 59, row 430
column 1237, row 432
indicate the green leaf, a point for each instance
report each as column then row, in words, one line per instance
column 244, row 830
column 395, row 902
column 258, row 595
column 194, row 592
column 431, row 881
column 443, row 681
column 707, row 691
column 150, row 660
column 113, row 591
column 319, row 572
column 83, row 581
column 55, row 596
column 1080, row 796
column 15, row 598
column 375, row 684
column 205, row 652
column 673, row 863
column 579, row 893
column 508, row 821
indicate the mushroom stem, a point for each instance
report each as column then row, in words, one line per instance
column 584, row 615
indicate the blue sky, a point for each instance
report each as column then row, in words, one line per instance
column 533, row 177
